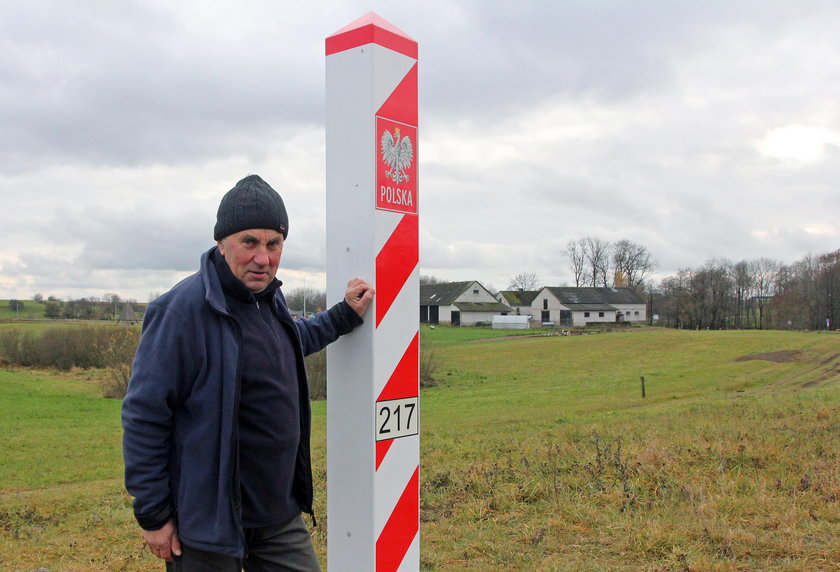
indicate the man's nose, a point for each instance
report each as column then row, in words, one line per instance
column 261, row 257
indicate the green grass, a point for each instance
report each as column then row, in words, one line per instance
column 40, row 326
column 56, row 430
column 537, row 453
column 31, row 311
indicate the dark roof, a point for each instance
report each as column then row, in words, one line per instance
column 590, row 307
column 482, row 307
column 569, row 295
column 442, row 294
column 519, row 297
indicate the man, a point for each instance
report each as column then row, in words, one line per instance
column 216, row 419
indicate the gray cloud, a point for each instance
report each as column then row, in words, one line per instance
column 703, row 129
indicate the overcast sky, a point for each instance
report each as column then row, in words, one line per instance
column 698, row 129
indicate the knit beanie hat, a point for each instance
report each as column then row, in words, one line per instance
column 252, row 203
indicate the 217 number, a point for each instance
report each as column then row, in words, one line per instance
column 396, row 418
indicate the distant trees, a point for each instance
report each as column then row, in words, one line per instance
column 108, row 307
column 632, row 264
column 807, row 293
column 574, row 252
column 306, row 298
column 426, row 279
column 16, row 305
column 761, row 293
column 525, row 281
column 597, row 262
column 52, row 310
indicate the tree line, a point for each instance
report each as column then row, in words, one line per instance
column 110, row 306
column 107, row 307
column 761, row 293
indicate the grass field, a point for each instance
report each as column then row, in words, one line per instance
column 31, row 310
column 537, row 453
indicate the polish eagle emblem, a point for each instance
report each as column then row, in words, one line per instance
column 397, row 152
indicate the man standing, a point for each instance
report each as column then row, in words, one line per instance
column 216, row 419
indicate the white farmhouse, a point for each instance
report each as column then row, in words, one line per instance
column 567, row 306
column 519, row 301
column 459, row 304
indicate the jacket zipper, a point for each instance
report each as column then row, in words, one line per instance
column 236, row 493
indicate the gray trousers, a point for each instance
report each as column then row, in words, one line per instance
column 287, row 547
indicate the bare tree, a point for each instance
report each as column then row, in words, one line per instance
column 764, row 273
column 632, row 264
column 574, row 251
column 526, row 281
column 596, row 252
column 743, row 284
column 427, row 279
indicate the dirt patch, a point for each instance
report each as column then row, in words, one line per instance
column 783, row 356
column 527, row 336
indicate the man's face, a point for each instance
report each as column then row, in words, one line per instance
column 253, row 256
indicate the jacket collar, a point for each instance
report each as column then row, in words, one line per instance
column 219, row 280
column 213, row 292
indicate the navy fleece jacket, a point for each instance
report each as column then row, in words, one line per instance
column 180, row 442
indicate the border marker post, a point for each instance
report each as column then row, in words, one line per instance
column 373, row 442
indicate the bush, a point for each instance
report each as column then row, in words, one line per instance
column 61, row 349
column 110, row 347
column 117, row 351
column 316, row 370
column 429, row 361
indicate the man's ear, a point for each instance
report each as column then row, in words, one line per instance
column 221, row 247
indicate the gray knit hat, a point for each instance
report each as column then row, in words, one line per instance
column 252, row 203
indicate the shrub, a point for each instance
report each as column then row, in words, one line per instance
column 117, row 352
column 9, row 347
column 61, row 349
column 109, row 347
column 316, row 370
column 429, row 361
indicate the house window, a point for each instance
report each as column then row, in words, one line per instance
column 600, row 314
column 586, row 314
column 475, row 291
column 637, row 312
column 545, row 304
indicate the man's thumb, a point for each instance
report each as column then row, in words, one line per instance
column 176, row 545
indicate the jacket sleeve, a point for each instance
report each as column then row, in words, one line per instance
column 323, row 328
column 160, row 369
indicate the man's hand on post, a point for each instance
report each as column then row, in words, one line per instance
column 359, row 295
column 164, row 542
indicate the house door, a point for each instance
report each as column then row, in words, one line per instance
column 433, row 314
column 565, row 317
column 545, row 316
column 424, row 314
column 456, row 318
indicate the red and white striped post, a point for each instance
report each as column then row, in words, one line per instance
column 373, row 442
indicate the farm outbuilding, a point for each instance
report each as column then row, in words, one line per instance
column 519, row 300
column 459, row 304
column 567, row 306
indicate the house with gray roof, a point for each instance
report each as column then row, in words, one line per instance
column 519, row 301
column 459, row 304
column 567, row 306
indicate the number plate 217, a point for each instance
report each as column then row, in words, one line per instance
column 397, row 418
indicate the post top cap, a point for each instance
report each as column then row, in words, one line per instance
column 371, row 29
